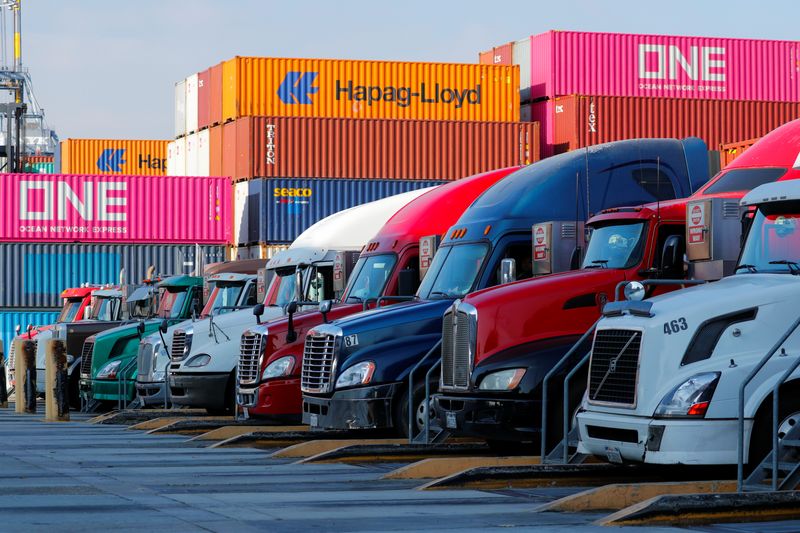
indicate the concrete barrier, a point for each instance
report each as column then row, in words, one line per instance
column 56, row 404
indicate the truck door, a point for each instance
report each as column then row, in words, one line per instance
column 516, row 247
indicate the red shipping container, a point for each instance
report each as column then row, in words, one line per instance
column 215, row 95
column 729, row 152
column 203, row 99
column 499, row 55
column 372, row 148
column 577, row 121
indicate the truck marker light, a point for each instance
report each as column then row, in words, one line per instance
column 487, row 230
column 698, row 409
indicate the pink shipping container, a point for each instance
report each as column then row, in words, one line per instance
column 612, row 64
column 204, row 99
column 116, row 209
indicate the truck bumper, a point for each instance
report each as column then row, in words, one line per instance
column 198, row 390
column 110, row 390
column 151, row 393
column 359, row 408
column 279, row 398
column 488, row 418
column 659, row 441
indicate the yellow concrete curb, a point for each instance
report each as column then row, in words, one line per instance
column 437, row 467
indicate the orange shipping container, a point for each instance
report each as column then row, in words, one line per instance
column 380, row 149
column 332, row 88
column 729, row 152
column 114, row 156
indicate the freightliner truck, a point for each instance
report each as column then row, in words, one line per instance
column 500, row 343
column 204, row 355
column 390, row 268
column 362, row 362
column 665, row 375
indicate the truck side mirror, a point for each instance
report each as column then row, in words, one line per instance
column 508, row 271
column 17, row 329
column 163, row 327
column 407, row 282
column 196, row 307
column 575, row 260
column 258, row 311
column 291, row 334
column 325, row 308
column 140, row 329
column 672, row 257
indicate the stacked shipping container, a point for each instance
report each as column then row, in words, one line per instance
column 342, row 133
column 587, row 88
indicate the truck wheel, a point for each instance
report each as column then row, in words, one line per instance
column 421, row 406
column 761, row 438
column 227, row 408
column 74, row 391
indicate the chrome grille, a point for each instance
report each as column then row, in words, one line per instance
column 447, row 349
column 318, row 362
column 250, row 350
column 614, row 366
column 178, row 345
column 86, row 358
column 456, row 350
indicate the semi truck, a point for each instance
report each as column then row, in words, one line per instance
column 204, row 355
column 669, row 381
column 362, row 362
column 388, row 270
column 500, row 343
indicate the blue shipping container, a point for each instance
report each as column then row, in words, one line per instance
column 9, row 320
column 278, row 209
column 33, row 275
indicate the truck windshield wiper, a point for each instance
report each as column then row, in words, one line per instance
column 598, row 263
column 794, row 268
column 750, row 268
column 442, row 294
column 356, row 298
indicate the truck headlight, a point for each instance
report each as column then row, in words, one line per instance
column 109, row 370
column 690, row 398
column 502, row 380
column 358, row 374
column 279, row 367
column 199, row 360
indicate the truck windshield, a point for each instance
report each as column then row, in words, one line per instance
column 172, row 302
column 70, row 309
column 285, row 292
column 773, row 242
column 615, row 246
column 453, row 271
column 744, row 179
column 371, row 276
column 225, row 294
column 105, row 308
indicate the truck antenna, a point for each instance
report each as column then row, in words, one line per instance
column 577, row 211
column 588, row 200
column 658, row 188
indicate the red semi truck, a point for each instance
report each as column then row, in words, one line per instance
column 499, row 343
column 388, row 270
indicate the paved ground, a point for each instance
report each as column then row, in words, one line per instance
column 76, row 476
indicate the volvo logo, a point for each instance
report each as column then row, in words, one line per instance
column 612, row 365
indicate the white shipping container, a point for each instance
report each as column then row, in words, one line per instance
column 176, row 157
column 191, row 104
column 240, row 213
column 521, row 55
column 180, row 109
column 256, row 251
column 192, row 147
column 204, row 153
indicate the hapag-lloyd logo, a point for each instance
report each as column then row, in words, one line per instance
column 663, row 63
column 49, row 201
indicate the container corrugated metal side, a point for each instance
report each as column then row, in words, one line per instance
column 379, row 149
column 215, row 95
column 38, row 158
column 114, row 157
column 192, row 148
column 333, row 88
column 498, row 55
column 176, row 157
column 241, row 218
column 203, row 99
column 578, row 121
column 279, row 210
column 179, row 108
column 39, row 168
column 33, row 275
column 730, row 151
column 203, row 164
column 10, row 319
column 611, row 64
column 256, row 251
column 215, row 151
column 191, row 104
column 89, row 208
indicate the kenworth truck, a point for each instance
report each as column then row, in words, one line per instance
column 204, row 355
column 389, row 268
column 665, row 373
column 108, row 360
column 358, row 367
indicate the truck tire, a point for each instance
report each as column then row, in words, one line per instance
column 227, row 408
column 761, row 437
column 420, row 406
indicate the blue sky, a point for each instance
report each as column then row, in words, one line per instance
column 106, row 68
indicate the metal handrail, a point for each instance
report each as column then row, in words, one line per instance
column 775, row 413
column 122, row 384
column 565, row 410
column 411, row 388
column 433, row 367
column 753, row 373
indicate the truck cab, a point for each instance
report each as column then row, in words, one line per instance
column 271, row 353
column 357, row 367
column 204, row 355
column 108, row 367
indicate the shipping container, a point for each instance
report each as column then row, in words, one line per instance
column 577, row 121
column 215, row 151
column 38, row 158
column 192, row 156
column 114, row 156
column 180, row 109
column 203, row 163
column 730, row 151
column 176, row 157
column 191, row 104
column 709, row 68
column 86, row 208
column 241, row 227
column 10, row 319
column 332, row 88
column 379, row 149
column 256, row 251
column 215, row 95
column 499, row 55
column 203, row 96
column 278, row 210
column 39, row 168
column 33, row 275
column 514, row 53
